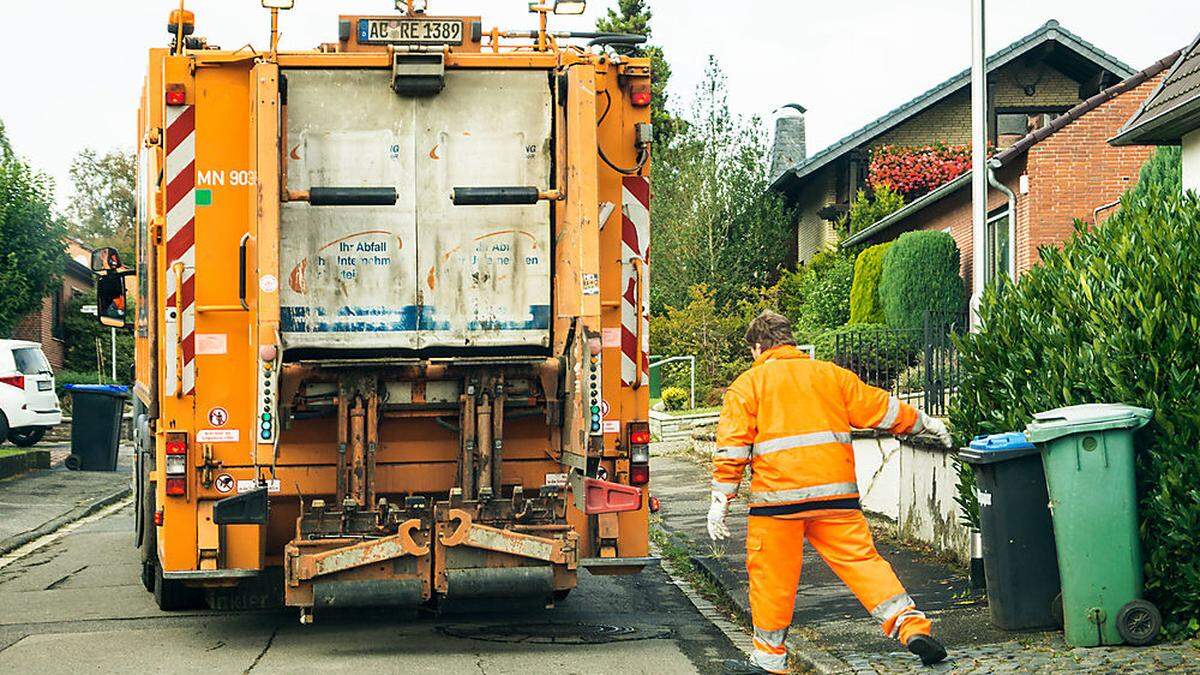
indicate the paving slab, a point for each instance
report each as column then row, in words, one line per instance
column 832, row 633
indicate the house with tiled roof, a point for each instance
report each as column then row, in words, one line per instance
column 1041, row 184
column 1030, row 83
column 1171, row 115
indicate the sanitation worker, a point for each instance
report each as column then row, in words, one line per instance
column 789, row 417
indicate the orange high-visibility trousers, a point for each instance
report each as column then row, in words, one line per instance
column 774, row 554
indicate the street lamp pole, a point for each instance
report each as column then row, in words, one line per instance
column 979, row 171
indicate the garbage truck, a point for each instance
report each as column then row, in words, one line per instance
column 390, row 311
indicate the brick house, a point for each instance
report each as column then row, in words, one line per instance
column 1171, row 115
column 1057, row 174
column 45, row 324
column 1030, row 82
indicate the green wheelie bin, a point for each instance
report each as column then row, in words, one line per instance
column 1088, row 454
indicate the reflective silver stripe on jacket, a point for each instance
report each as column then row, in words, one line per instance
column 919, row 425
column 889, row 417
column 892, row 606
column 725, row 488
column 734, row 451
column 801, row 494
column 771, row 638
column 801, row 441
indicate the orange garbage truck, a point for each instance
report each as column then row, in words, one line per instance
column 391, row 312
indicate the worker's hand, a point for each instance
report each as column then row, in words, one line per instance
column 936, row 429
column 717, row 529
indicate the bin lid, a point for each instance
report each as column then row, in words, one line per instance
column 110, row 389
column 1077, row 419
column 992, row 448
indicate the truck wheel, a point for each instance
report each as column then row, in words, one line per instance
column 1138, row 622
column 27, row 436
column 171, row 595
column 149, row 547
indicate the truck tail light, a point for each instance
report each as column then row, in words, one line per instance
column 176, row 465
column 176, row 95
column 639, row 453
column 158, row 517
column 17, row 381
column 640, row 96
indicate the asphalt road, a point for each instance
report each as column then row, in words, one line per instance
column 76, row 605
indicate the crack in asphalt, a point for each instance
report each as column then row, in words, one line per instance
column 58, row 582
column 263, row 653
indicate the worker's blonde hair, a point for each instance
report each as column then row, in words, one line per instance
column 770, row 330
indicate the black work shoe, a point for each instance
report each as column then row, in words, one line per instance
column 743, row 667
column 928, row 648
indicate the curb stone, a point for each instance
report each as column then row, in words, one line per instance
column 82, row 511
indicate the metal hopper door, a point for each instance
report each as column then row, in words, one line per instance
column 423, row 272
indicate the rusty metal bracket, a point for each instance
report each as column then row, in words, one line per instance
column 474, row 535
column 310, row 566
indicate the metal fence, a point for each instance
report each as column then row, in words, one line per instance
column 919, row 365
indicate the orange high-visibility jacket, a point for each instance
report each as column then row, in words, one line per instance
column 789, row 417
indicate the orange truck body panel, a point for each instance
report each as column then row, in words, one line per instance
column 399, row 416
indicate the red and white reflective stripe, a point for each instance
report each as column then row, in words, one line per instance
column 181, row 246
column 635, row 245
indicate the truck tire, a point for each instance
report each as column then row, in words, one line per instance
column 171, row 595
column 3, row 428
column 26, row 437
column 149, row 544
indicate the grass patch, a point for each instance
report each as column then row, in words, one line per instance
column 676, row 550
column 8, row 452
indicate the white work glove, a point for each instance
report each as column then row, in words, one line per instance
column 935, row 429
column 717, row 529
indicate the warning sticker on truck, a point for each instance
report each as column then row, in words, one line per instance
column 217, row 436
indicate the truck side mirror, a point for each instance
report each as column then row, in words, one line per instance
column 106, row 259
column 110, row 298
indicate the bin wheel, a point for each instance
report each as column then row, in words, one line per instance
column 1138, row 622
column 72, row 462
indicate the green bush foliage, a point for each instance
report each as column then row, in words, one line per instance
column 816, row 297
column 1114, row 316
column 64, row 377
column 869, row 207
column 920, row 274
column 80, row 335
column 1164, row 171
column 675, row 398
column 865, row 306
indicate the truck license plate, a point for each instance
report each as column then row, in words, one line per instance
column 410, row 31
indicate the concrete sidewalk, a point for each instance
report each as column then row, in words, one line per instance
column 832, row 633
column 36, row 503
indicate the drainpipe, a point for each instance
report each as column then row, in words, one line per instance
column 993, row 164
column 979, row 190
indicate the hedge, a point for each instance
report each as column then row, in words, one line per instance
column 865, row 306
column 920, row 274
column 1114, row 316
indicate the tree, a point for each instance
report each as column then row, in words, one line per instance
column 82, row 332
column 31, row 249
column 633, row 16
column 103, row 208
column 715, row 223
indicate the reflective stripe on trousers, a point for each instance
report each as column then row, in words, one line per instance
column 733, row 452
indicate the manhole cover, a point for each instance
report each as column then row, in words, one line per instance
column 553, row 633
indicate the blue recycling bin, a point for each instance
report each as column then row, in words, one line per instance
column 1019, row 557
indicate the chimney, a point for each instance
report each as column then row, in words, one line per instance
column 789, row 148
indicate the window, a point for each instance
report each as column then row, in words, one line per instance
column 56, row 318
column 1012, row 125
column 31, row 361
column 996, row 258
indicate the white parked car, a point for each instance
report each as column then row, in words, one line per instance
column 28, row 404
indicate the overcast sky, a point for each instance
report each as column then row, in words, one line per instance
column 846, row 61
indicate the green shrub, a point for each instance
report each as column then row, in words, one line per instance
column 877, row 354
column 920, row 274
column 1163, row 170
column 817, row 296
column 865, row 306
column 675, row 398
column 1114, row 316
column 870, row 207
column 700, row 330
column 81, row 332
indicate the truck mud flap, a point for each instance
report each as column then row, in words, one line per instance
column 617, row 566
column 249, row 508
